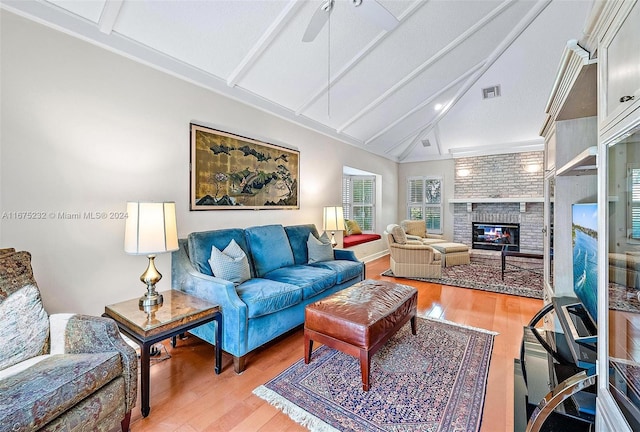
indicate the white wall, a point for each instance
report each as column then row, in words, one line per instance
column 85, row 130
column 441, row 168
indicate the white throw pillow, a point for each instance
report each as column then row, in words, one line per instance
column 231, row 264
column 319, row 250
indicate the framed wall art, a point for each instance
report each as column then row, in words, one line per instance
column 231, row 172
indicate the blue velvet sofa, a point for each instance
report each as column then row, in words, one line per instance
column 282, row 282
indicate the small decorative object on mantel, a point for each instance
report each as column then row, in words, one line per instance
column 150, row 229
column 230, row 172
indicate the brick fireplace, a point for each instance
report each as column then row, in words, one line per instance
column 500, row 190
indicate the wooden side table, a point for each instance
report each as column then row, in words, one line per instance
column 178, row 313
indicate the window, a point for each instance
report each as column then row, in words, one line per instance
column 358, row 200
column 634, row 202
column 424, row 201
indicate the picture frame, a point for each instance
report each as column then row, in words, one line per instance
column 232, row 172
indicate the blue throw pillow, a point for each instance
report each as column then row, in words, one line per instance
column 319, row 250
column 231, row 264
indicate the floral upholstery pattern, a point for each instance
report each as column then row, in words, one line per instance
column 62, row 372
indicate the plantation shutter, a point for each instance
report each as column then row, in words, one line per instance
column 358, row 200
column 415, row 200
column 424, row 201
column 346, row 197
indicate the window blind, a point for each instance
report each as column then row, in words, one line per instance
column 358, row 200
column 424, row 201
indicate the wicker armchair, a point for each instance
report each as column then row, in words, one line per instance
column 411, row 258
column 62, row 372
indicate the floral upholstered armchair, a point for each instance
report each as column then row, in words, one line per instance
column 62, row 372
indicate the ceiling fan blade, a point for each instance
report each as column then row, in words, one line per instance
column 377, row 13
column 318, row 20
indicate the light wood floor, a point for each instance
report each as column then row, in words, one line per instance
column 186, row 395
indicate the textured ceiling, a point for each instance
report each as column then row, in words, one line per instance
column 355, row 81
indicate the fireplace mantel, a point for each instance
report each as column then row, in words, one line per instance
column 521, row 200
column 495, row 200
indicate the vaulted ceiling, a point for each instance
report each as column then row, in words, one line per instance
column 412, row 91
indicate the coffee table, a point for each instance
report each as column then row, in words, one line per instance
column 178, row 313
column 507, row 253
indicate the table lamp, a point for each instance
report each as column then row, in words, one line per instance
column 333, row 220
column 150, row 229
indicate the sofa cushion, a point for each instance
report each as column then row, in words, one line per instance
column 24, row 326
column 200, row 244
column 319, row 249
column 33, row 397
column 298, row 236
column 270, row 249
column 345, row 270
column 230, row 264
column 264, row 296
column 312, row 280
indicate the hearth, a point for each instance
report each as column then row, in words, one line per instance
column 493, row 236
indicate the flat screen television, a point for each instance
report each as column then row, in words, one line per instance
column 585, row 264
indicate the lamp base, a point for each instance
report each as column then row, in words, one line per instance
column 151, row 276
column 334, row 242
column 151, row 299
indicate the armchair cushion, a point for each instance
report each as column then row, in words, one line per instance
column 416, row 228
column 33, row 396
column 24, row 328
column 399, row 236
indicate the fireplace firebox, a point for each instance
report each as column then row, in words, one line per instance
column 494, row 236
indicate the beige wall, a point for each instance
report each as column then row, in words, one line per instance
column 442, row 168
column 85, row 130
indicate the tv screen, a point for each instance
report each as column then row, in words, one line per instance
column 585, row 264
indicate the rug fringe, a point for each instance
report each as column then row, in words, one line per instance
column 297, row 414
column 478, row 329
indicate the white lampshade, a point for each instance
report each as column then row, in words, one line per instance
column 333, row 219
column 150, row 228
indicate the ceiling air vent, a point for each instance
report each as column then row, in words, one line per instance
column 426, row 143
column 491, row 92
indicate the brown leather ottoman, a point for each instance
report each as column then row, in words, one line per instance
column 360, row 319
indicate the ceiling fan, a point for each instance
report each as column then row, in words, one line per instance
column 373, row 10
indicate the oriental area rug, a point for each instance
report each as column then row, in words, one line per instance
column 433, row 381
column 523, row 277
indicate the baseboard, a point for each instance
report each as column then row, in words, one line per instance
column 375, row 256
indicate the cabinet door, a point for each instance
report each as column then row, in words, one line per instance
column 619, row 283
column 619, row 57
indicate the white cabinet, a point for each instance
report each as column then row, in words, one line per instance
column 619, row 72
column 618, row 402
